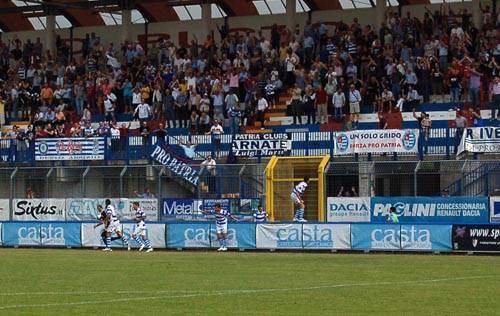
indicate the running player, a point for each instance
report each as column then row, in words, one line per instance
column 221, row 217
column 103, row 220
column 113, row 226
column 260, row 215
column 298, row 201
column 140, row 229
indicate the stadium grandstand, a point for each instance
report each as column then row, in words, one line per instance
column 139, row 72
column 326, row 128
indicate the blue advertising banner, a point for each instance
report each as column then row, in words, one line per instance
column 239, row 235
column 41, row 234
column 188, row 235
column 430, row 210
column 426, row 237
column 69, row 149
column 181, row 209
column 208, row 204
column 1, row 233
column 375, row 237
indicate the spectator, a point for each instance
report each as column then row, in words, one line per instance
column 234, row 114
column 321, row 105
column 354, row 102
column 142, row 112
column 495, row 98
column 296, row 104
column 208, row 172
column 146, row 195
column 216, row 131
column 262, row 106
column 460, row 125
column 412, row 99
column 338, row 104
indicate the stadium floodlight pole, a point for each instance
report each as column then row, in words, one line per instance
column 47, row 176
column 417, row 167
column 122, row 173
column 160, row 174
column 12, row 189
column 84, row 176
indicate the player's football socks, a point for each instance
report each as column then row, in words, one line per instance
column 147, row 243
column 108, row 242
column 125, row 240
column 138, row 240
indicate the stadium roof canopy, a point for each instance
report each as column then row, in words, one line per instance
column 17, row 15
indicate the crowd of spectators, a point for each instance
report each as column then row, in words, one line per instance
column 328, row 71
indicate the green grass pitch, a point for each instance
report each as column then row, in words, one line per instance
column 90, row 282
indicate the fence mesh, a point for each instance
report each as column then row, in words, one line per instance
column 365, row 178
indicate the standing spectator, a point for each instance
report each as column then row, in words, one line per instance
column 321, row 105
column 168, row 108
column 142, row 111
column 296, row 104
column 109, row 106
column 79, row 93
column 454, row 79
column 208, row 168
column 412, row 99
column 354, row 102
column 387, row 100
column 338, row 104
column 308, row 105
column 136, row 98
column 181, row 110
column 156, row 102
column 234, row 114
column 460, row 124
column 216, row 131
column 475, row 86
column 262, row 106
column 495, row 98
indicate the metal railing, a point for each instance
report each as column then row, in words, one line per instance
column 441, row 143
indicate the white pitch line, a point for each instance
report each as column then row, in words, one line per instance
column 243, row 291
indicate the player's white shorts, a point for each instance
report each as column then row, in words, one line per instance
column 221, row 228
column 114, row 226
column 140, row 230
column 295, row 198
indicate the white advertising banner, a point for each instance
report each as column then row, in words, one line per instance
column 82, row 209
column 85, row 209
column 346, row 209
column 279, row 236
column 326, row 236
column 480, row 140
column 39, row 210
column 91, row 237
column 376, row 141
column 4, row 210
column 495, row 209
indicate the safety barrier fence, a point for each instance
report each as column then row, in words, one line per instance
column 439, row 141
column 293, row 236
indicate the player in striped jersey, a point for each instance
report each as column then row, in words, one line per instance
column 260, row 214
column 140, row 229
column 298, row 201
column 221, row 217
column 113, row 226
column 103, row 220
